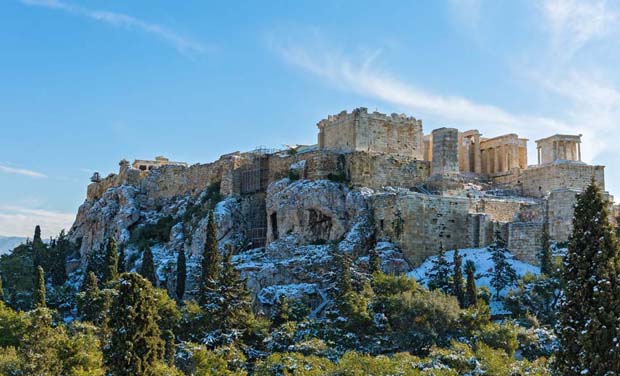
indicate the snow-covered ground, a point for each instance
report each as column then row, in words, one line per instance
column 482, row 260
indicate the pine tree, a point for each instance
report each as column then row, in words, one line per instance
column 135, row 341
column 588, row 328
column 210, row 263
column 233, row 304
column 457, row 279
column 147, row 269
column 374, row 261
column 439, row 274
column 121, row 261
column 546, row 260
column 472, row 291
column 39, row 292
column 111, row 267
column 503, row 273
column 181, row 274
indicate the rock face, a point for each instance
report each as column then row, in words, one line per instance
column 309, row 223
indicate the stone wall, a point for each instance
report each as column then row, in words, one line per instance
column 374, row 132
column 445, row 151
column 417, row 223
column 525, row 240
column 508, row 210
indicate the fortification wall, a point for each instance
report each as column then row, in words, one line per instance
column 417, row 223
column 525, row 240
column 374, row 132
column 508, row 210
column 538, row 181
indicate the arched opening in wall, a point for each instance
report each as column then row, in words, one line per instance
column 142, row 168
column 319, row 226
column 274, row 225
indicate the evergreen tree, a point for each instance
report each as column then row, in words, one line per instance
column 210, row 263
column 38, row 248
column 503, row 273
column 135, row 342
column 235, row 304
column 147, row 269
column 169, row 350
column 374, row 261
column 181, row 274
column 439, row 274
column 343, row 281
column 89, row 301
column 111, row 264
column 1, row 290
column 457, row 279
column 121, row 261
column 282, row 311
column 472, row 291
column 588, row 328
column 39, row 291
column 58, row 252
column 546, row 260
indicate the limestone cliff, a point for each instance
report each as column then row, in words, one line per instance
column 311, row 222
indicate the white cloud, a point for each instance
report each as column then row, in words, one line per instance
column 183, row 44
column 365, row 79
column 20, row 221
column 21, row 171
column 574, row 23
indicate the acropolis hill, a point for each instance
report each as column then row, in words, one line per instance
column 371, row 178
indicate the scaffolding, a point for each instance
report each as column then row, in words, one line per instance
column 252, row 180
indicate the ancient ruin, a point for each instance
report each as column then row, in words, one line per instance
column 416, row 190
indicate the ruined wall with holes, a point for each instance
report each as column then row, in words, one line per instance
column 418, row 223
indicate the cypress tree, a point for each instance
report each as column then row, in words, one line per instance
column 457, row 279
column 38, row 247
column 472, row 291
column 374, row 261
column 588, row 328
column 169, row 350
column 147, row 269
column 439, row 274
column 58, row 253
column 1, row 290
column 181, row 274
column 121, row 261
column 503, row 273
column 135, row 339
column 344, row 279
column 111, row 265
column 39, row 291
column 546, row 261
column 210, row 263
column 90, row 306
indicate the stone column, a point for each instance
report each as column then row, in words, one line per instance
column 477, row 155
column 579, row 150
column 495, row 160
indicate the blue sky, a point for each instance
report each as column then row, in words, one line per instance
column 84, row 84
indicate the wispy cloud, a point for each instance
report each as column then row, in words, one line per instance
column 181, row 43
column 21, row 171
column 20, row 221
column 361, row 76
column 573, row 23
